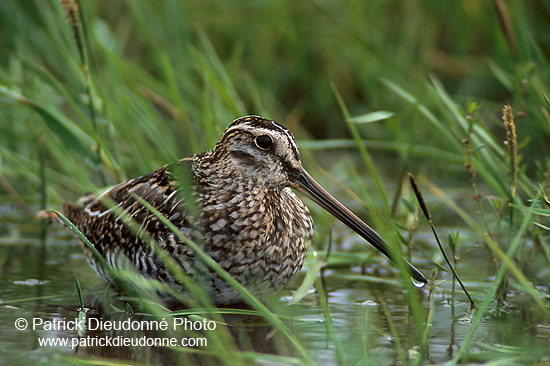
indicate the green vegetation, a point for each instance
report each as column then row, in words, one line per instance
column 371, row 89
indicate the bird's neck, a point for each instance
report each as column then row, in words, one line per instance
column 220, row 182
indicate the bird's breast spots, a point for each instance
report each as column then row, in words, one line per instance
column 218, row 225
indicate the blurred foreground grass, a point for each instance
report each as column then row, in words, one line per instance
column 155, row 81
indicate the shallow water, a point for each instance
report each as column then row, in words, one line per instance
column 38, row 281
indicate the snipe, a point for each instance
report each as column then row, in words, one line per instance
column 236, row 200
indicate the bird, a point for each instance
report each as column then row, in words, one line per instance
column 236, row 201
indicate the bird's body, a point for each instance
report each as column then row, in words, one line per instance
column 235, row 201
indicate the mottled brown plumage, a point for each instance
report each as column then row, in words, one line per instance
column 234, row 200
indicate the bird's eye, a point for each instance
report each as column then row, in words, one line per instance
column 264, row 142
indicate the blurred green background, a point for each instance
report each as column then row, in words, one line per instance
column 149, row 82
column 171, row 75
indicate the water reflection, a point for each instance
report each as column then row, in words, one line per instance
column 176, row 339
column 39, row 283
column 114, row 334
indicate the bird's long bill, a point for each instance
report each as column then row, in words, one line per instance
column 309, row 187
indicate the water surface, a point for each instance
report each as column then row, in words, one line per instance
column 38, row 281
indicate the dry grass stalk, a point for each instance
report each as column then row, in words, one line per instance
column 71, row 12
column 511, row 142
